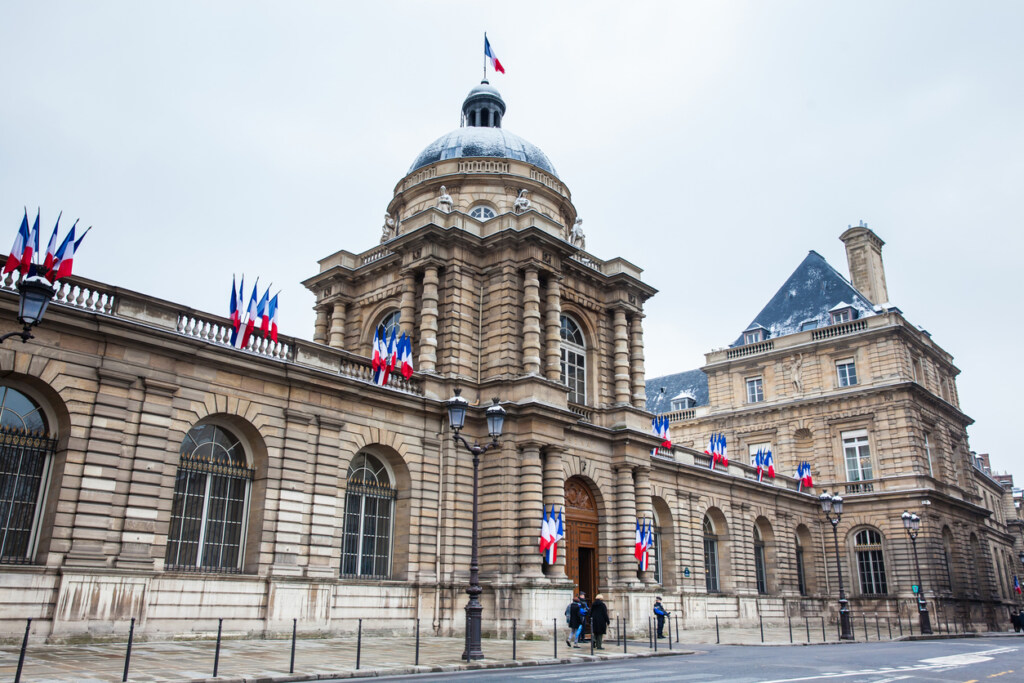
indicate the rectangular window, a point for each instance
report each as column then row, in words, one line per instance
column 752, row 337
column 928, row 454
column 858, row 455
column 842, row 316
column 711, row 565
column 755, row 390
column 800, row 581
column 759, row 568
column 654, row 556
column 753, row 448
column 847, row 371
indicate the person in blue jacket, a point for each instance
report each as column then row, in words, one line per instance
column 660, row 613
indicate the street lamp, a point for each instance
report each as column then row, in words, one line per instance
column 832, row 506
column 457, row 407
column 912, row 523
column 33, row 297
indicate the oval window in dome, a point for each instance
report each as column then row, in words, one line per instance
column 482, row 213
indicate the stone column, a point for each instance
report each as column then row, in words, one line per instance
column 338, row 325
column 154, row 450
column 428, row 321
column 293, row 505
column 636, row 361
column 407, row 307
column 531, row 322
column 554, row 494
column 93, row 473
column 644, row 507
column 622, row 375
column 531, row 502
column 320, row 328
column 552, row 330
column 625, row 526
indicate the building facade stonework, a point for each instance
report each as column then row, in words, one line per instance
column 151, row 470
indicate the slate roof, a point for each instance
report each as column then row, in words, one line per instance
column 693, row 381
column 809, row 294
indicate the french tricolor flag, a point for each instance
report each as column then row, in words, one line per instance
column 273, row 318
column 557, row 534
column 18, row 250
column 405, row 355
column 489, row 54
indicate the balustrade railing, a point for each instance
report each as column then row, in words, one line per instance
column 585, row 415
column 839, row 330
column 750, row 349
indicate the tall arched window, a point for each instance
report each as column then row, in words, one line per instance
column 573, row 360
column 947, row 557
column 25, row 450
column 654, row 561
column 391, row 325
column 870, row 563
column 369, row 509
column 801, row 581
column 211, row 501
column 760, row 567
column 710, row 557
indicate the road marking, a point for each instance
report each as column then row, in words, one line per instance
column 1001, row 673
column 599, row 673
column 932, row 664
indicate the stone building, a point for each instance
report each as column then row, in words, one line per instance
column 831, row 374
column 152, row 470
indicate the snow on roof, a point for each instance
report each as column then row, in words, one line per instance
column 813, row 290
column 685, row 393
column 692, row 382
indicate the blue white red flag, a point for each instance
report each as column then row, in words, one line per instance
column 648, row 538
column 1016, row 584
column 18, row 250
column 31, row 247
column 375, row 361
column 803, row 473
column 405, row 355
column 263, row 312
column 545, row 531
column 557, row 534
column 769, row 463
column 489, row 54
column 273, row 318
column 51, row 249
column 65, row 256
column 253, row 314
column 639, row 543
column 759, row 462
column 233, row 306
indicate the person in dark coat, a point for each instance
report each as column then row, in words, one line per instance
column 660, row 613
column 575, row 623
column 599, row 620
column 1015, row 620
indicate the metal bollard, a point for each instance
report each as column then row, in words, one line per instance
column 291, row 664
column 864, row 621
column 899, row 620
column 417, row 642
column 625, row 637
column 677, row 626
column 591, row 622
column 21, row 657
column 789, row 618
column 878, row 630
column 910, row 623
column 513, row 641
column 718, row 635
column 669, row 633
column 654, row 635
column 888, row 625
column 359, row 643
column 807, row 625
column 650, row 634
column 128, row 652
column 618, row 633
column 760, row 621
column 216, row 656
column 554, row 627
column 824, row 638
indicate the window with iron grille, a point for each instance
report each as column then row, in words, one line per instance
column 870, row 563
column 710, row 557
column 369, row 511
column 573, row 360
column 800, row 580
column 760, row 566
column 26, row 451
column 210, row 507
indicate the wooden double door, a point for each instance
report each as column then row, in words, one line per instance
column 582, row 553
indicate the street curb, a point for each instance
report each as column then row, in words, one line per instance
column 441, row 668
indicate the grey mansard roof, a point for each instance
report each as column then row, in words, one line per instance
column 477, row 141
column 692, row 382
column 814, row 289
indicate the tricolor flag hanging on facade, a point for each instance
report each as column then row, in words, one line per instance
column 769, row 463
column 31, row 247
column 492, row 58
column 263, row 312
column 557, row 534
column 803, row 475
column 1016, row 584
column 18, row 250
column 405, row 356
column 645, row 558
column 717, row 450
column 253, row 313
column 545, row 532
column 758, row 462
column 273, row 318
column 660, row 426
column 639, row 542
column 51, row 249
column 233, row 307
column 65, row 256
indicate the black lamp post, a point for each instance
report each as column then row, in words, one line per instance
column 457, row 407
column 912, row 523
column 34, row 296
column 832, row 506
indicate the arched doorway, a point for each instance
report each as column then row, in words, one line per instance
column 582, row 559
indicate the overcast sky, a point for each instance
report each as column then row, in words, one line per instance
column 711, row 143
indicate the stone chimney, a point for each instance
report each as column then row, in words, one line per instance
column 864, row 259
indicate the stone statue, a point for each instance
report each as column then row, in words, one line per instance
column 388, row 230
column 576, row 237
column 794, row 365
column 522, row 203
column 444, row 200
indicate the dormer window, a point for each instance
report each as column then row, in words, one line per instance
column 482, row 213
column 808, row 325
column 684, row 403
column 754, row 334
column 841, row 313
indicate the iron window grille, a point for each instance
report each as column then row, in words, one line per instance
column 369, row 511
column 870, row 562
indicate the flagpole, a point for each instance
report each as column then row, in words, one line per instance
column 485, row 55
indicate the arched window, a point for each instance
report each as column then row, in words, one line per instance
column 760, row 567
column 947, row 556
column 710, row 557
column 482, row 213
column 801, row 582
column 654, row 552
column 870, row 563
column 369, row 509
column 390, row 324
column 25, row 450
column 211, row 501
column 573, row 360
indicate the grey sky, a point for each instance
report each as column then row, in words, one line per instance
column 710, row 143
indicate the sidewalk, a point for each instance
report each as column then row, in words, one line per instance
column 267, row 661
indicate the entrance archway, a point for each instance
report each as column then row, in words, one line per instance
column 582, row 558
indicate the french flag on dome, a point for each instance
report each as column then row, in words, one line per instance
column 493, row 58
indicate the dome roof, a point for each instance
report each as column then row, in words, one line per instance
column 477, row 141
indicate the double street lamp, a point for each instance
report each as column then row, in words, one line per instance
column 457, row 407
column 912, row 523
column 34, row 296
column 832, row 506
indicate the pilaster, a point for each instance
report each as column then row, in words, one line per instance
column 554, row 495
column 552, row 329
column 636, row 361
column 621, row 362
column 295, row 497
column 428, row 321
column 531, row 501
column 337, row 337
column 531, row 322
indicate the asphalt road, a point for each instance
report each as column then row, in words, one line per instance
column 969, row 660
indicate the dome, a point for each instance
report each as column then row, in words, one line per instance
column 477, row 141
column 482, row 136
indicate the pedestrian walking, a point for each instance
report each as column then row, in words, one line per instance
column 584, row 617
column 660, row 613
column 599, row 620
column 575, row 621
column 1016, row 620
